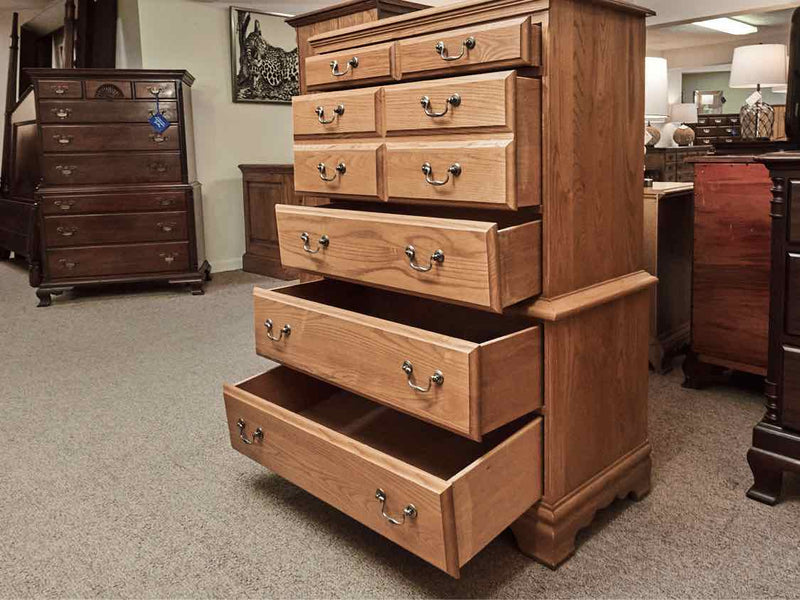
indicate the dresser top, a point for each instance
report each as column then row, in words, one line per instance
column 449, row 16
column 353, row 6
column 147, row 74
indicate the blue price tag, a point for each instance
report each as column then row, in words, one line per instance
column 159, row 122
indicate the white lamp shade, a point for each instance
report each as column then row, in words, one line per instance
column 781, row 89
column 763, row 64
column 683, row 113
column 656, row 103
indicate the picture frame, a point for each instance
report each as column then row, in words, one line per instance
column 263, row 70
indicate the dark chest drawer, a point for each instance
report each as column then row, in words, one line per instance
column 80, row 169
column 82, row 230
column 103, row 111
column 101, row 261
column 792, row 301
column 96, row 203
column 105, row 138
column 53, row 88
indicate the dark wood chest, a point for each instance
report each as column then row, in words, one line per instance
column 117, row 200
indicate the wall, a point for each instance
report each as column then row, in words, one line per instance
column 719, row 81
column 129, row 40
column 196, row 36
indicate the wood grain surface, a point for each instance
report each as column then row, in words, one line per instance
column 108, row 138
column 363, row 162
column 483, row 266
column 375, row 63
column 363, row 112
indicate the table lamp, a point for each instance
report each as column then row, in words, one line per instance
column 754, row 67
column 683, row 113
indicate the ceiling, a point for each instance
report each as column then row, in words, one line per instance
column 770, row 25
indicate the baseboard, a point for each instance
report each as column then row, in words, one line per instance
column 222, row 265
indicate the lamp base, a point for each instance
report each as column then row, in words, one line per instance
column 758, row 121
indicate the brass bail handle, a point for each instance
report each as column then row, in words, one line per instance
column 285, row 331
column 337, row 112
column 425, row 101
column 409, row 512
column 341, row 169
column 324, row 242
column 258, row 434
column 467, row 44
column 436, row 379
column 351, row 64
column 453, row 170
column 411, row 253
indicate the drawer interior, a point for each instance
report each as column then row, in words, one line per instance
column 427, row 447
column 503, row 219
column 454, row 321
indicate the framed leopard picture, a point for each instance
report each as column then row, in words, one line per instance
column 264, row 60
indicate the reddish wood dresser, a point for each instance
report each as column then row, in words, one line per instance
column 117, row 202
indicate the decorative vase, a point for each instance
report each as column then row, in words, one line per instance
column 684, row 136
column 655, row 134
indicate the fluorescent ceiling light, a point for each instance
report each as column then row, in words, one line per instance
column 726, row 25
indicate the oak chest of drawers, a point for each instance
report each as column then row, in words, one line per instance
column 475, row 355
column 118, row 201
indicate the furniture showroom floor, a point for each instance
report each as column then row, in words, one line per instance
column 117, row 478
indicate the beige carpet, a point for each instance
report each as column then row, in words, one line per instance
column 117, row 478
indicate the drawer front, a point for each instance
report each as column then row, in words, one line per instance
column 53, row 88
column 792, row 301
column 105, row 138
column 343, row 462
column 790, row 412
column 110, row 229
column 95, row 203
column 467, row 262
column 98, row 261
column 357, row 65
column 153, row 89
column 512, row 43
column 78, row 169
column 466, row 387
column 481, row 171
column 329, row 113
column 471, row 102
column 339, row 169
column 85, row 111
column 109, row 90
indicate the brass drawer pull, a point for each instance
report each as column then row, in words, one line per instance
column 59, row 89
column 341, row 169
column 454, row 100
column 165, row 202
column 66, row 170
column 68, row 264
column 158, row 138
column 61, row 113
column 454, row 170
column 324, row 242
column 64, row 204
column 285, row 331
column 337, row 112
column 351, row 64
column 63, row 139
column 159, row 167
column 163, row 112
column 467, row 44
column 437, row 378
column 167, row 227
column 169, row 257
column 258, row 434
column 409, row 512
column 436, row 257
column 66, row 231
column 155, row 90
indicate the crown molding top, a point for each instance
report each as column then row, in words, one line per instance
column 353, row 6
column 434, row 19
column 181, row 74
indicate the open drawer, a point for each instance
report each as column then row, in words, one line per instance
column 438, row 495
column 463, row 370
column 485, row 259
